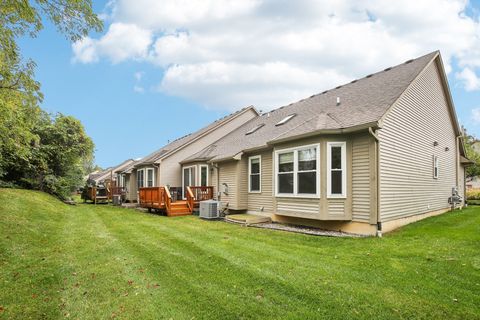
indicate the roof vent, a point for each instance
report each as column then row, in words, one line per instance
column 254, row 129
column 338, row 101
column 369, row 76
column 353, row 81
column 408, row 61
column 388, row 69
column 286, row 119
column 338, row 87
column 324, row 91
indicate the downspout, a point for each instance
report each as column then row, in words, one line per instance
column 377, row 176
column 217, row 168
column 457, row 167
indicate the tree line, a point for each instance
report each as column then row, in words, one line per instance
column 38, row 150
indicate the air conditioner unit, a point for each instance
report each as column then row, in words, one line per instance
column 117, row 200
column 209, row 209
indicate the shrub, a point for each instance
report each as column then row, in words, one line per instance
column 473, row 194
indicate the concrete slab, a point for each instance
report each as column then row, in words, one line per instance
column 247, row 219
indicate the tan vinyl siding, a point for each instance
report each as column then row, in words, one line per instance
column 132, row 194
column 419, row 118
column 336, row 208
column 298, row 207
column 264, row 199
column 242, row 182
column 362, row 159
column 228, row 173
column 170, row 169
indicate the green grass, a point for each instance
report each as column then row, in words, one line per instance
column 100, row 262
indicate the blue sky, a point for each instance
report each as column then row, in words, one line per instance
column 162, row 69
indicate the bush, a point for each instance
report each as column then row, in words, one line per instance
column 473, row 194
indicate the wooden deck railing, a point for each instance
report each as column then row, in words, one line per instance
column 167, row 198
column 190, row 198
column 201, row 193
column 117, row 191
column 155, row 197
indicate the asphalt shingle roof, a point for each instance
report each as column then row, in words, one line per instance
column 156, row 155
column 362, row 102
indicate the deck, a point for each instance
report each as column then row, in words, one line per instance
column 160, row 199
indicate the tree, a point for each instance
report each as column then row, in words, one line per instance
column 57, row 160
column 73, row 18
column 37, row 150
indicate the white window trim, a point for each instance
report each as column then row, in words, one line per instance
column 146, row 176
column 200, row 174
column 295, row 150
column 184, row 187
column 259, row 174
column 436, row 166
column 143, row 182
column 343, row 145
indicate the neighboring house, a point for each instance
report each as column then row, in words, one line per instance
column 127, row 181
column 163, row 168
column 371, row 155
column 109, row 173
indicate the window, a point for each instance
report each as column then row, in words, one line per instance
column 121, row 180
column 254, row 129
column 140, row 177
column 286, row 119
column 150, row 177
column 254, row 174
column 203, row 175
column 298, row 172
column 307, row 171
column 435, row 167
column 337, row 169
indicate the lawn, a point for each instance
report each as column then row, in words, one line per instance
column 101, row 262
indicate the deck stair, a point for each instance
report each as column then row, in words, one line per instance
column 179, row 208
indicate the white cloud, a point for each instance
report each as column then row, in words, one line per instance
column 84, row 51
column 220, row 83
column 121, row 42
column 469, row 78
column 228, row 53
column 476, row 115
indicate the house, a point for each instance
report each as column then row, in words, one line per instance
column 163, row 168
column 108, row 174
column 102, row 186
column 127, row 182
column 371, row 155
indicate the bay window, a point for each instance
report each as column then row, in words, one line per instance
column 254, row 174
column 336, row 169
column 298, row 171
